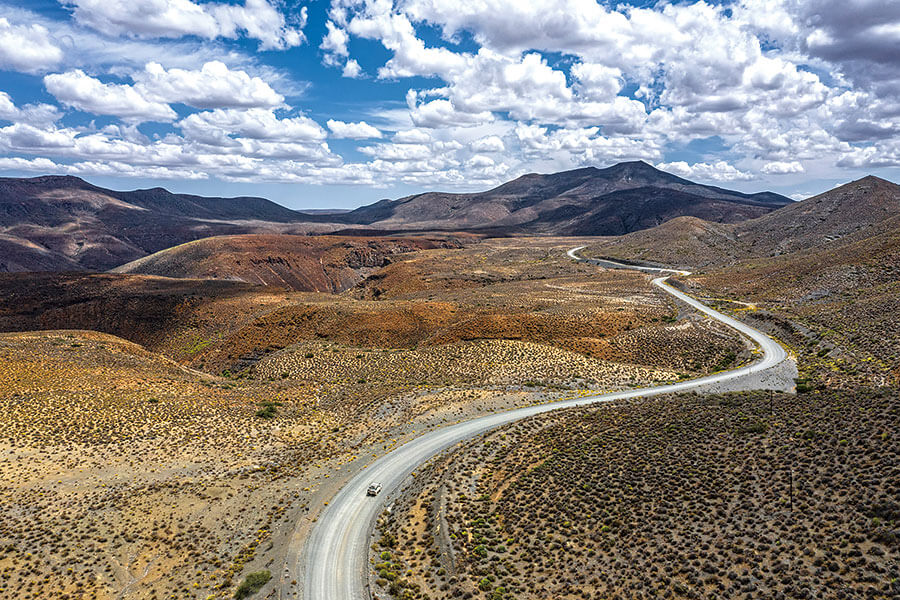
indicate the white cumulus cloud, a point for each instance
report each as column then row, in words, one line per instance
column 256, row 19
column 33, row 114
column 218, row 126
column 214, row 85
column 719, row 170
column 491, row 143
column 782, row 167
column 81, row 91
column 353, row 131
column 27, row 47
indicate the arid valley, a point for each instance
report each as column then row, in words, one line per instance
column 417, row 300
column 167, row 436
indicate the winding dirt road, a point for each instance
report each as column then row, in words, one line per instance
column 334, row 562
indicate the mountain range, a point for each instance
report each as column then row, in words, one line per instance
column 63, row 223
column 613, row 201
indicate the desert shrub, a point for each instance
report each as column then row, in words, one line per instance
column 252, row 584
column 886, row 511
column 269, row 409
column 753, row 426
column 886, row 536
column 727, row 360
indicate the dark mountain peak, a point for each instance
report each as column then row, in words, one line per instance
column 580, row 172
column 61, row 180
column 561, row 174
column 543, row 185
column 122, row 226
column 876, row 181
column 576, row 177
column 48, row 181
column 634, row 166
column 638, row 169
column 572, row 174
column 858, row 188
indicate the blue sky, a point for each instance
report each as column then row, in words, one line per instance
column 341, row 103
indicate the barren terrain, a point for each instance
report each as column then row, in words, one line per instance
column 124, row 475
column 294, row 262
column 178, row 466
column 493, row 289
column 741, row 495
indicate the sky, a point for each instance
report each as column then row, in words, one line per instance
column 339, row 104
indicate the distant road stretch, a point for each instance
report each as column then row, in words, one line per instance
column 335, row 559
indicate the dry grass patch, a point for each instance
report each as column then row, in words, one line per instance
column 737, row 496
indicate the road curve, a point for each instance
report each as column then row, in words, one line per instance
column 335, row 557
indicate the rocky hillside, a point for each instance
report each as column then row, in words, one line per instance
column 830, row 263
column 841, row 242
column 850, row 212
column 811, row 230
column 613, row 201
column 686, row 242
column 301, row 263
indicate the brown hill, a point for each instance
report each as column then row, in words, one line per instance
column 853, row 212
column 140, row 308
column 301, row 263
column 847, row 291
column 830, row 263
column 21, row 254
column 613, row 201
column 686, row 242
column 64, row 223
column 499, row 289
column 852, row 248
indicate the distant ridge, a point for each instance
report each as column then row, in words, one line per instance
column 63, row 223
column 588, row 201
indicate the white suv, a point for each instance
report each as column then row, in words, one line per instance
column 374, row 489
